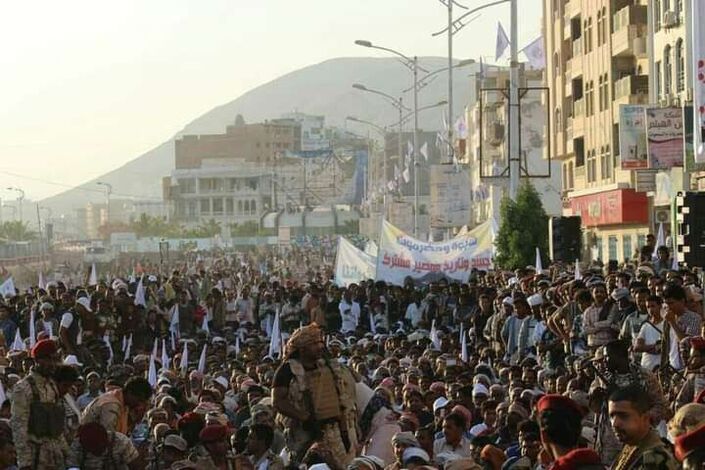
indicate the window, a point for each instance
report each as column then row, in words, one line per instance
column 599, row 94
column 571, row 172
column 657, row 15
column 565, row 176
column 239, row 207
column 680, row 66
column 599, row 28
column 605, row 93
column 605, row 25
column 657, row 81
column 667, row 70
column 598, row 241
column 588, row 35
column 592, row 166
column 187, row 186
column 218, row 205
column 612, row 247
column 590, row 98
column 253, row 207
column 640, row 241
column 558, row 123
column 229, row 206
column 205, row 206
column 627, row 247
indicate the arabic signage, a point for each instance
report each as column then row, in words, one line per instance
column 632, row 137
column 621, row 206
column 401, row 256
column 664, row 130
column 450, row 196
column 352, row 265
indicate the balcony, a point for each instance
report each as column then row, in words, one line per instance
column 630, row 15
column 579, row 108
column 629, row 41
column 572, row 9
column 578, row 47
column 632, row 89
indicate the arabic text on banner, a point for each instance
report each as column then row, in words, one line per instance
column 352, row 265
column 401, row 255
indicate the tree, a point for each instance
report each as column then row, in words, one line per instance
column 16, row 231
column 524, row 226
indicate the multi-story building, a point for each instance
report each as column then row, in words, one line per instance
column 596, row 54
column 487, row 144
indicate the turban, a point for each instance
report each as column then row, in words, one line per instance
column 303, row 336
column 406, row 439
column 689, row 442
column 44, row 349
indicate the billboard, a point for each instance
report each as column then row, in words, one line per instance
column 632, row 137
column 450, row 196
column 665, row 137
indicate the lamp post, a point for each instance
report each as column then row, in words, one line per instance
column 396, row 102
column 383, row 132
column 514, row 156
column 20, row 198
column 108, row 191
column 413, row 66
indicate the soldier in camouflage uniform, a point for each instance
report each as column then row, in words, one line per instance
column 629, row 414
column 38, row 414
column 98, row 449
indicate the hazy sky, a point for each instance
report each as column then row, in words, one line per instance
column 86, row 86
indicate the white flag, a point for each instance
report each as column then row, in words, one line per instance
column 373, row 327
column 461, row 127
column 534, row 52
column 406, row 175
column 93, row 279
column 140, row 299
column 106, row 340
column 464, row 348
column 205, row 327
column 424, row 150
column 3, row 397
column 409, row 147
column 697, row 16
column 275, row 344
column 18, row 344
column 42, row 284
column 183, row 365
column 152, row 373
column 174, row 322
column 155, row 347
column 128, row 347
column 435, row 340
column 202, row 360
column 502, row 41
column 124, row 343
column 578, row 275
column 32, row 332
column 539, row 265
column 7, row 288
column 172, row 337
column 237, row 345
column 165, row 356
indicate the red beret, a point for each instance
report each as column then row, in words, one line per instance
column 688, row 442
column 44, row 348
column 213, row 433
column 700, row 398
column 93, row 438
column 190, row 418
column 558, row 403
column 698, row 343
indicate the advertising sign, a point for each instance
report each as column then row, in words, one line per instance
column 665, row 137
column 632, row 137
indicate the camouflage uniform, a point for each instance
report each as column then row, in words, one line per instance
column 109, row 411
column 650, row 453
column 694, row 384
column 119, row 454
column 34, row 451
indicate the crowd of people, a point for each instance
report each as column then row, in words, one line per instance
column 261, row 361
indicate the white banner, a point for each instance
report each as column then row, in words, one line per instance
column 402, row 256
column 352, row 265
column 450, row 196
column 698, row 79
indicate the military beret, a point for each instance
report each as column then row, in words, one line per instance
column 558, row 403
column 44, row 348
column 93, row 438
column 688, row 442
column 213, row 433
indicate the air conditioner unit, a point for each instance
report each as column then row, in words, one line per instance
column 670, row 19
column 662, row 216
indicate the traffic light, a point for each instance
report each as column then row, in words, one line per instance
column 690, row 222
column 565, row 238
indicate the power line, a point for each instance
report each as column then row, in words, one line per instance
column 80, row 188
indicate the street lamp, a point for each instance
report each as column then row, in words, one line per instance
column 108, row 191
column 383, row 132
column 20, row 198
column 397, row 103
column 453, row 28
column 413, row 66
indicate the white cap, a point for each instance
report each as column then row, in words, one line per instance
column 439, row 403
column 83, row 301
column 508, row 301
column 411, row 452
column 152, row 278
column 222, row 381
column 480, row 389
column 319, row 466
column 535, row 300
column 72, row 360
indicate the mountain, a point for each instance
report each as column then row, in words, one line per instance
column 321, row 89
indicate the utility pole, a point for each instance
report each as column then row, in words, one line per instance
column 514, row 155
column 416, row 145
column 451, row 151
